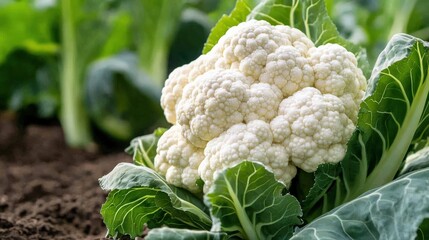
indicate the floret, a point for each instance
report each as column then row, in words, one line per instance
column 313, row 127
column 253, row 142
column 178, row 160
column 211, row 104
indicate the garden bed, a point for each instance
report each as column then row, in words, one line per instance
column 47, row 190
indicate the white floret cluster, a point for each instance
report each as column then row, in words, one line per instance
column 263, row 93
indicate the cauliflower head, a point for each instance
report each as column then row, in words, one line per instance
column 263, row 93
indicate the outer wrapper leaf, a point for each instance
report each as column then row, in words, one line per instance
column 393, row 211
column 248, row 202
column 309, row 16
column 166, row 204
column 182, row 234
column 127, row 211
column 393, row 115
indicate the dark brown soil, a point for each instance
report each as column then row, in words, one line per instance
column 47, row 190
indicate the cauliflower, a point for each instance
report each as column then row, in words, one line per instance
column 263, row 93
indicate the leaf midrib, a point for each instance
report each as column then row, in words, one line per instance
column 241, row 214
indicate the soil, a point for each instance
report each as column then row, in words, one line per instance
column 47, row 190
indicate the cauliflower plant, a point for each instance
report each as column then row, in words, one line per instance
column 263, row 93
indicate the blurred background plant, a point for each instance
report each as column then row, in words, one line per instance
column 371, row 23
column 98, row 67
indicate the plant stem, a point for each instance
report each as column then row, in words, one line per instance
column 74, row 119
column 402, row 17
column 157, row 65
column 158, row 21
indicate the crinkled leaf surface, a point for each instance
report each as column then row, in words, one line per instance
column 393, row 211
column 183, row 208
column 143, row 148
column 247, row 201
column 309, row 16
column 172, row 233
column 126, row 211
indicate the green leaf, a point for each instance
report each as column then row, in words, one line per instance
column 19, row 30
column 309, row 16
column 393, row 211
column 423, row 231
column 247, row 201
column 181, row 205
column 393, row 115
column 224, row 7
column 371, row 24
column 143, row 148
column 119, row 38
column 127, row 211
column 189, row 40
column 113, row 86
column 171, row 233
column 27, row 80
